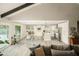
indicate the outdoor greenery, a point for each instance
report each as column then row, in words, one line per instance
column 1, row 42
column 6, row 41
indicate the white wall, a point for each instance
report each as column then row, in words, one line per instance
column 64, row 32
column 73, row 22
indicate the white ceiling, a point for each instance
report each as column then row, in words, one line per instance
column 49, row 11
column 4, row 7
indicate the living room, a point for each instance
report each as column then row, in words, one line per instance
column 38, row 23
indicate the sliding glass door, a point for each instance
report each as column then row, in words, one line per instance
column 4, row 32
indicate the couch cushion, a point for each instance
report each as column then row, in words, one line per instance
column 60, row 47
column 76, row 49
column 62, row 53
column 1, row 54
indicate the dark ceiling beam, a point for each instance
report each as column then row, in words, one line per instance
column 16, row 9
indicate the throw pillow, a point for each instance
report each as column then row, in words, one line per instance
column 39, row 51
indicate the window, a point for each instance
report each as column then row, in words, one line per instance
column 17, row 31
column 4, row 32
